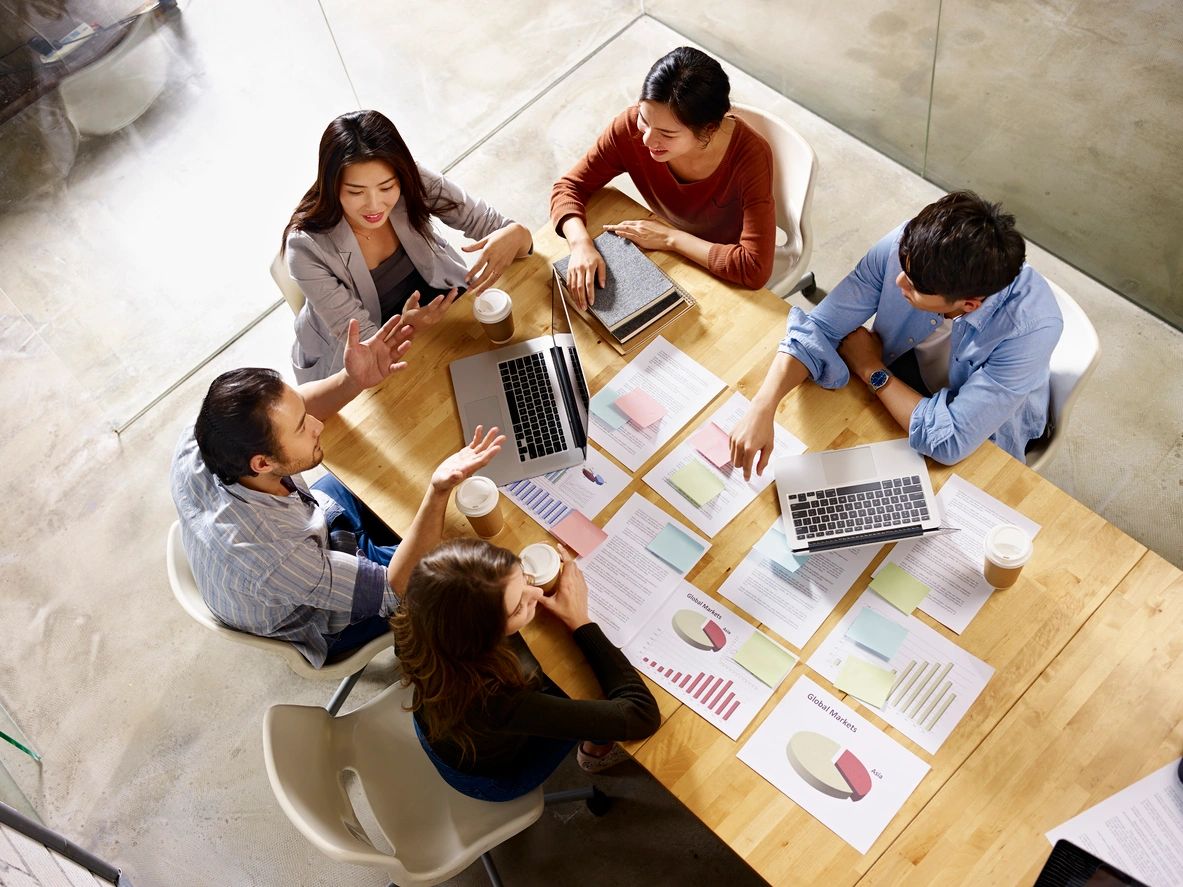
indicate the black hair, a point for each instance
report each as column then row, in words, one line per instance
column 962, row 247
column 693, row 84
column 234, row 423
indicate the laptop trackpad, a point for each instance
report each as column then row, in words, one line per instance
column 485, row 412
column 844, row 467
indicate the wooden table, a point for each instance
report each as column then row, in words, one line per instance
column 385, row 444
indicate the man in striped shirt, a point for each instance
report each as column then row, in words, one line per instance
column 272, row 557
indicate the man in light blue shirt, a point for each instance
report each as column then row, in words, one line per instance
column 273, row 557
column 963, row 335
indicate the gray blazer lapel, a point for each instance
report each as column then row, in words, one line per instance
column 353, row 268
column 433, row 257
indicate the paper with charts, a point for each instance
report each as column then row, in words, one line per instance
column 793, row 594
column 1139, row 830
column 931, row 682
column 838, row 767
column 691, row 479
column 586, row 488
column 672, row 389
column 951, row 565
column 710, row 658
column 634, row 570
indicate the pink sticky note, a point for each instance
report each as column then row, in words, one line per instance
column 714, row 444
column 578, row 533
column 641, row 409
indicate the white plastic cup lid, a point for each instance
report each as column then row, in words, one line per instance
column 1008, row 546
column 476, row 496
column 492, row 305
column 541, row 562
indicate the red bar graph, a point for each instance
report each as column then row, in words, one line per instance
column 712, row 691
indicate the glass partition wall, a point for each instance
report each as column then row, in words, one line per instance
column 1070, row 114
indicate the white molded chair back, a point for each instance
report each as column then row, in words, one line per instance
column 435, row 831
column 114, row 90
column 1073, row 361
column 185, row 590
column 793, row 175
column 292, row 293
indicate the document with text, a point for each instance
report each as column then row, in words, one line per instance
column 951, row 565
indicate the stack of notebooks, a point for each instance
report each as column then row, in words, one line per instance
column 638, row 300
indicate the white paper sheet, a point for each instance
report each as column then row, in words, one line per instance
column 936, row 681
column 673, row 379
column 627, row 583
column 587, row 488
column 951, row 565
column 707, row 680
column 1139, row 830
column 792, row 750
column 737, row 493
column 794, row 605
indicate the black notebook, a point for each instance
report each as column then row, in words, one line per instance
column 637, row 296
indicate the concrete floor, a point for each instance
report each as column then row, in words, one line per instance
column 122, row 273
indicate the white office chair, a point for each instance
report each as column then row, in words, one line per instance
column 113, row 91
column 794, row 171
column 1073, row 361
column 292, row 293
column 185, row 590
column 435, row 832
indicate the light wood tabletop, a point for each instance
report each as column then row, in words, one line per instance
column 385, row 444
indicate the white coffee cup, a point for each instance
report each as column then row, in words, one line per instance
column 542, row 565
column 494, row 310
column 479, row 500
column 1007, row 549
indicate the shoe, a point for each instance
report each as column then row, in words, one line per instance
column 593, row 764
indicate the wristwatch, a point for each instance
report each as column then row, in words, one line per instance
column 878, row 379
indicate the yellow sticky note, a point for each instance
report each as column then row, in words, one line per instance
column 765, row 658
column 697, row 482
column 868, row 682
column 899, row 588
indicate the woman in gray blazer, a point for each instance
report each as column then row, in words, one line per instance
column 361, row 243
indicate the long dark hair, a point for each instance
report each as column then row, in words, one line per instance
column 449, row 631
column 355, row 138
column 693, row 84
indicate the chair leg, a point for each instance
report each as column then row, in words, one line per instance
column 598, row 803
column 343, row 691
column 491, row 870
column 807, row 286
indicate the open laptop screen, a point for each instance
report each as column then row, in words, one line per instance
column 566, row 360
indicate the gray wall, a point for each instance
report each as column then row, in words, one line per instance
column 1070, row 113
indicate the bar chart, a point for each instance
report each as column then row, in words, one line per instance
column 713, row 691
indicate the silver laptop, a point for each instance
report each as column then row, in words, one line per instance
column 866, row 495
column 535, row 392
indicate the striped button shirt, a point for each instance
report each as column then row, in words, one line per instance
column 263, row 562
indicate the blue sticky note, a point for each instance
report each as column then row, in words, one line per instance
column 676, row 548
column 603, row 407
column 774, row 546
column 876, row 633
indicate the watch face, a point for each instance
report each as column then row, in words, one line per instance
column 879, row 379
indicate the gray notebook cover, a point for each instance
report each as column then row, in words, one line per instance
column 633, row 280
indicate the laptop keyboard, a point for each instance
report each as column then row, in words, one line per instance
column 532, row 407
column 858, row 508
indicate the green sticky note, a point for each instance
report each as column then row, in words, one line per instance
column 899, row 588
column 676, row 548
column 603, row 407
column 765, row 658
column 697, row 482
column 865, row 681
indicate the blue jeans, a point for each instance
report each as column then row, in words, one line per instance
column 375, row 540
column 541, row 757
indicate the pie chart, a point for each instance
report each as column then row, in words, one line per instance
column 699, row 630
column 828, row 767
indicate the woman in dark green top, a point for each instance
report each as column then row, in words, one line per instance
column 492, row 722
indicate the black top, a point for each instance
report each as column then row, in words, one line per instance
column 396, row 279
column 501, row 730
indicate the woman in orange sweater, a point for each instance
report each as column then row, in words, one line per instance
column 707, row 174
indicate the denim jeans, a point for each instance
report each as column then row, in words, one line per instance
column 540, row 758
column 375, row 540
